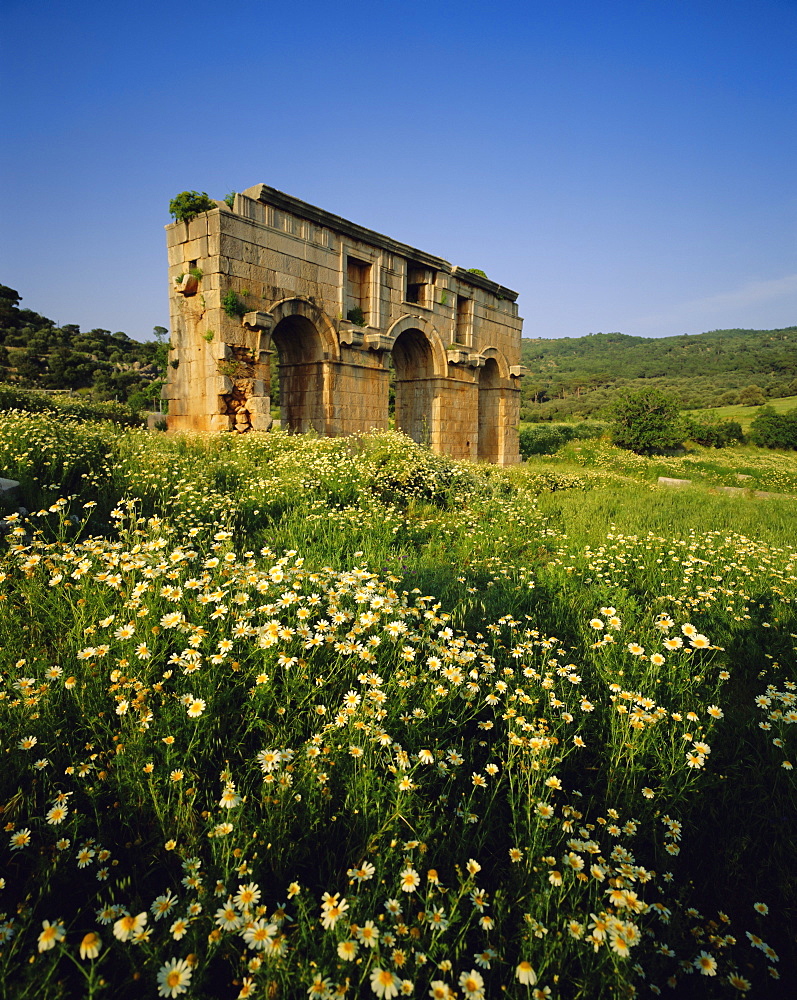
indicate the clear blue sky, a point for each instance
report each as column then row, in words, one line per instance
column 625, row 165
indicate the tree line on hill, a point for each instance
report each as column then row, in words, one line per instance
column 582, row 376
column 34, row 352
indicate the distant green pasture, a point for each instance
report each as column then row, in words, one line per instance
column 746, row 414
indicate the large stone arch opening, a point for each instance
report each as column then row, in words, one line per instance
column 413, row 367
column 298, row 369
column 489, row 411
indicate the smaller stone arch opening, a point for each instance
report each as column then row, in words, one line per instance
column 414, row 385
column 299, row 369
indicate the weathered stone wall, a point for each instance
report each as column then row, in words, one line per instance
column 336, row 307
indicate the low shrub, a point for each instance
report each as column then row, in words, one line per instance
column 39, row 401
column 713, row 433
column 545, row 439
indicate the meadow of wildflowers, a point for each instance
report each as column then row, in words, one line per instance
column 295, row 717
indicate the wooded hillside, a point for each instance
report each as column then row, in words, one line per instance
column 580, row 376
column 34, row 352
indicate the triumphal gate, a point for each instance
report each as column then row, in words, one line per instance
column 344, row 317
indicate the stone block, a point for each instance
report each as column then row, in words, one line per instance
column 248, row 273
column 218, row 385
column 258, row 320
column 240, row 229
column 198, row 227
column 259, row 404
column 287, row 282
column 188, row 285
column 176, row 234
column 260, row 421
column 229, row 246
column 196, row 249
column 221, row 422
column 220, row 351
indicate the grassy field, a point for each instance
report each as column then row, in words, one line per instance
column 745, row 415
column 286, row 717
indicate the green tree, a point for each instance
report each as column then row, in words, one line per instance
column 68, row 370
column 647, row 421
column 771, row 429
column 9, row 307
column 161, row 354
column 752, row 395
column 188, row 205
column 30, row 367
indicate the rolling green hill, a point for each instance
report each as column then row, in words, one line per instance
column 581, row 376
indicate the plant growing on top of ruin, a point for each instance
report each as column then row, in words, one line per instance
column 188, row 205
column 229, row 199
column 477, row 270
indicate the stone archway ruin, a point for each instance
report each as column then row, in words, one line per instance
column 273, row 279
column 301, row 374
column 413, row 364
